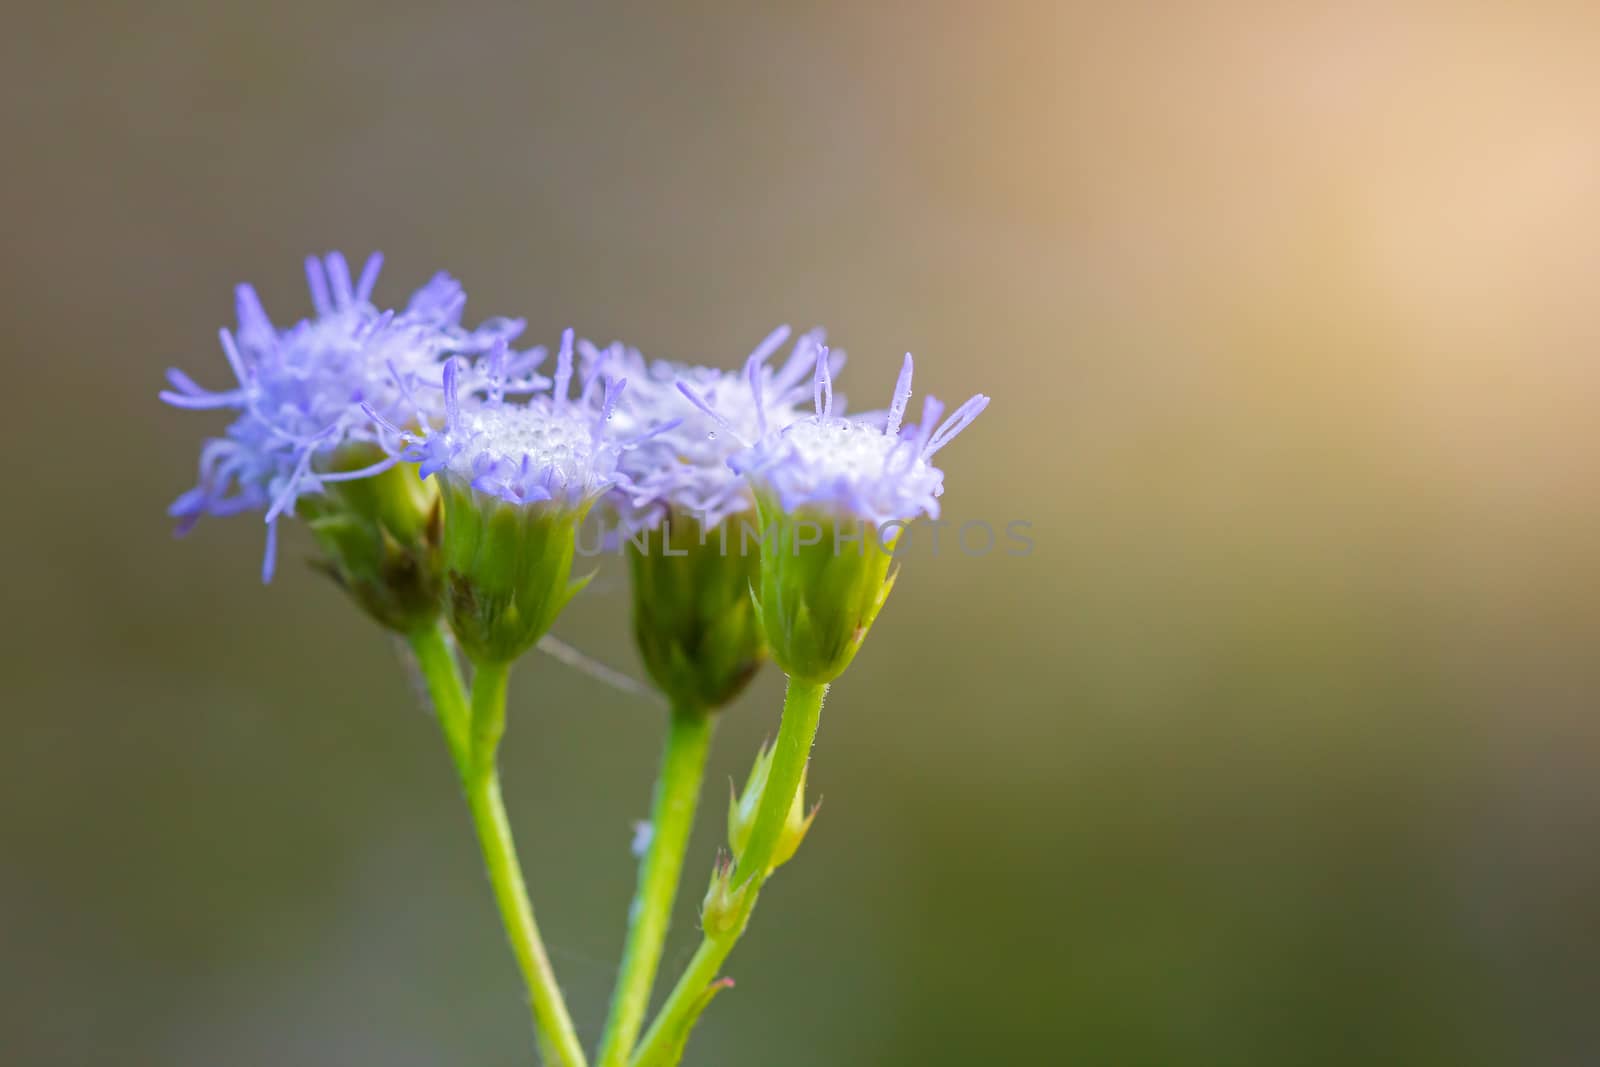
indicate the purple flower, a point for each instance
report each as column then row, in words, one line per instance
column 871, row 466
column 686, row 469
column 306, row 392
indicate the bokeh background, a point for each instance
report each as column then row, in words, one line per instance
column 1281, row 748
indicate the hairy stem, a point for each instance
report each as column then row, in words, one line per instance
column 802, row 709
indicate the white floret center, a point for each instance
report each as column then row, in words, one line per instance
column 835, row 448
column 557, row 440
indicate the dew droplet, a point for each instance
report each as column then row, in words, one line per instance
column 712, row 435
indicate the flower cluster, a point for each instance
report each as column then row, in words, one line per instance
column 304, row 393
column 353, row 382
column 445, row 480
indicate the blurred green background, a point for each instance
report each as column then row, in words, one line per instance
column 1281, row 749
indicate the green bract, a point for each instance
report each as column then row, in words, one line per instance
column 725, row 907
column 508, row 569
column 824, row 577
column 742, row 811
column 693, row 619
column 380, row 538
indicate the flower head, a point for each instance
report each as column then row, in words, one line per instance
column 547, row 446
column 825, row 482
column 877, row 472
column 304, row 393
column 686, row 469
column 517, row 477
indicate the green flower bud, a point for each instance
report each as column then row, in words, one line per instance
column 742, row 811
column 693, row 619
column 508, row 568
column 723, row 910
column 380, row 538
column 824, row 578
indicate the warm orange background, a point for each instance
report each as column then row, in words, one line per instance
column 1281, row 750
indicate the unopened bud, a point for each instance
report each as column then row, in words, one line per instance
column 723, row 911
column 693, row 618
column 380, row 539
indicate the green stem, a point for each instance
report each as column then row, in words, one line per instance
column 489, row 682
column 472, row 730
column 442, row 676
column 663, row 1042
column 671, row 818
column 558, row 1039
column 802, row 709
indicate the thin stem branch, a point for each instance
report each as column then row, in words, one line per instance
column 802, row 710
column 671, row 819
column 441, row 675
column 472, row 730
column 558, row 1039
column 664, row 1041
column 489, row 681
